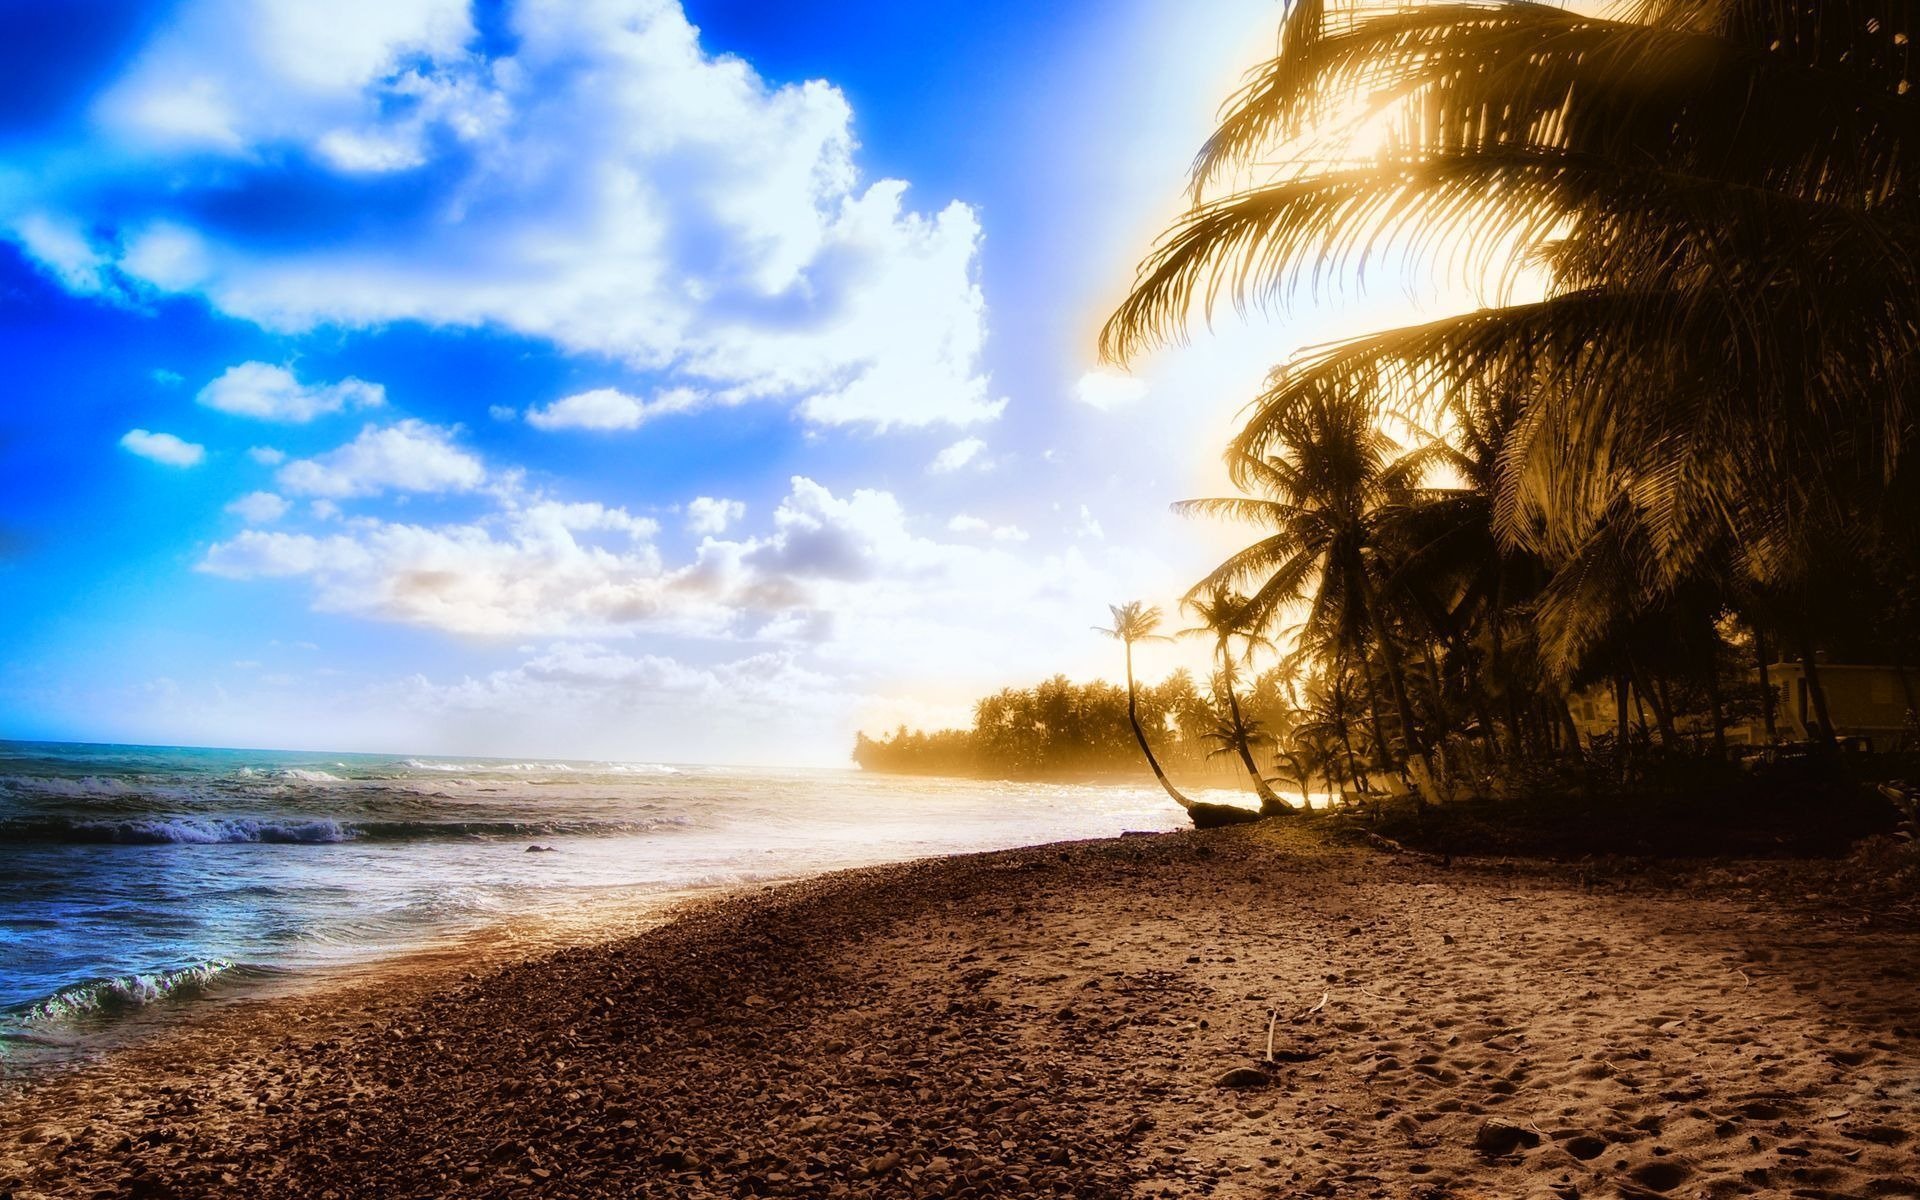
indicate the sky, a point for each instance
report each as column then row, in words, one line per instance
column 676, row 380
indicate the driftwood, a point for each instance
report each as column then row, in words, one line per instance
column 1393, row 847
column 1218, row 816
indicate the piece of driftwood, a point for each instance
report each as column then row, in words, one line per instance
column 1218, row 816
column 1392, row 847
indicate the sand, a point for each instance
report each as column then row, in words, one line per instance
column 1059, row 1022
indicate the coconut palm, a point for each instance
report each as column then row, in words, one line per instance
column 1137, row 622
column 1319, row 497
column 1719, row 202
column 1222, row 613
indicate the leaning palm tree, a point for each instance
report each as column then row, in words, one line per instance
column 1222, row 613
column 1137, row 622
column 1701, row 219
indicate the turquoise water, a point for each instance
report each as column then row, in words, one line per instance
column 140, row 879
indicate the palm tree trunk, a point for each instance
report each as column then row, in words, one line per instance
column 1140, row 735
column 1827, row 740
column 1622, row 734
column 1270, row 802
column 1766, row 686
column 1382, row 754
column 1662, row 701
column 1717, row 710
column 1397, row 684
column 1497, row 668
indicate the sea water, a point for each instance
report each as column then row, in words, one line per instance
column 147, row 880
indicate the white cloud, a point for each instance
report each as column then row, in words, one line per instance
column 610, row 186
column 575, row 676
column 163, row 448
column 1108, row 390
column 270, row 393
column 502, row 412
column 223, row 74
column 166, row 378
column 958, row 455
column 608, row 409
column 267, row 456
column 969, row 524
column 410, row 456
column 843, row 579
column 62, row 248
column 706, row 515
column 259, row 508
column 537, row 569
column 1089, row 526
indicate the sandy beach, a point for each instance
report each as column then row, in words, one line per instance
column 1090, row 1019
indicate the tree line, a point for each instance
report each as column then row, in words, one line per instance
column 1062, row 729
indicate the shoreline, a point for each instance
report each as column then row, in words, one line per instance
column 1054, row 1021
column 384, row 977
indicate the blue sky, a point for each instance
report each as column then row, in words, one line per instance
column 604, row 378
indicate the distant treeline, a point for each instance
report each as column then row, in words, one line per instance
column 1062, row 729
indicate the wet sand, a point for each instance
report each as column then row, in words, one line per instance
column 1086, row 1020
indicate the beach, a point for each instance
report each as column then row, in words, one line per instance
column 1084, row 1019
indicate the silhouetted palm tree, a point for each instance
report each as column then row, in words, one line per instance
column 1320, row 494
column 1222, row 613
column 1136, row 622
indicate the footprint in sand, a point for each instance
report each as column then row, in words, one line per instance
column 1662, row 1175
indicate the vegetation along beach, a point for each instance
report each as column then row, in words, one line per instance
column 676, row 598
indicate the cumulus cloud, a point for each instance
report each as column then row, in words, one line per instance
column 163, row 448
column 536, row 569
column 969, row 524
column 706, row 515
column 609, row 409
column 269, row 393
column 267, row 456
column 543, row 567
column 607, row 184
column 259, row 508
column 588, row 676
column 960, row 454
column 410, row 456
column 1107, row 390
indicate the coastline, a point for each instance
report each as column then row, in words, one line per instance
column 1052, row 1021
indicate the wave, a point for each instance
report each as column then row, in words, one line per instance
column 207, row 831
column 557, row 768
column 121, row 993
column 68, row 786
column 549, row 768
column 307, row 776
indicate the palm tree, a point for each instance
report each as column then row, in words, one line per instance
column 1136, row 622
column 1320, row 496
column 1723, row 197
column 1222, row 613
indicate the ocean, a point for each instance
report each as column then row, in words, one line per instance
column 140, row 882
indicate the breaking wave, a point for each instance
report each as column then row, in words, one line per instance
column 184, row 830
column 122, row 993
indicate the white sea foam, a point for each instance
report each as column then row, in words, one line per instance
column 124, row 991
column 309, row 776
